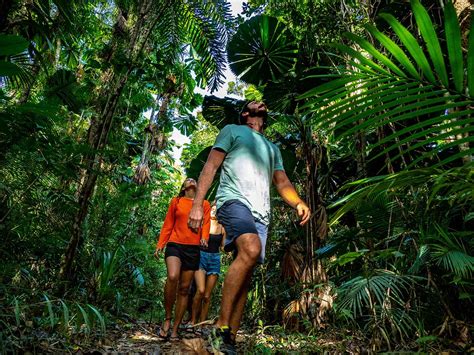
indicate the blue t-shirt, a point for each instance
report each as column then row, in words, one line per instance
column 247, row 170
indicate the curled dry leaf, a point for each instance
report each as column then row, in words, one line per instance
column 196, row 345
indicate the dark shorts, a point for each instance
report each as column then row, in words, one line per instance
column 210, row 263
column 188, row 254
column 237, row 219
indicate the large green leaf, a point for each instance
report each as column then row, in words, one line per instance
column 281, row 96
column 453, row 41
column 428, row 33
column 396, row 51
column 15, row 65
column 411, row 44
column 262, row 49
column 63, row 85
column 9, row 69
column 470, row 60
column 12, row 44
column 366, row 45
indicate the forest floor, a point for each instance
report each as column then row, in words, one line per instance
column 141, row 337
column 132, row 336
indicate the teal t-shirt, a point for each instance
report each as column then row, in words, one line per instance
column 248, row 168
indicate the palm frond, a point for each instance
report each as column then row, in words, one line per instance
column 208, row 25
column 185, row 123
column 262, row 49
column 445, row 250
column 449, row 253
column 170, row 33
column 470, row 61
column 427, row 111
column 456, row 183
column 15, row 62
column 453, row 41
column 205, row 27
column 378, row 289
column 63, row 86
column 221, row 111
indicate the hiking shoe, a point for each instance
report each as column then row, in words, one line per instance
column 224, row 333
column 220, row 339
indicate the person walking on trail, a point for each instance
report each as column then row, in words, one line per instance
column 182, row 253
column 250, row 163
column 209, row 270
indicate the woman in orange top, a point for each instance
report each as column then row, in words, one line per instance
column 182, row 253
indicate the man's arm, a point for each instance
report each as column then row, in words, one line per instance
column 290, row 196
column 214, row 161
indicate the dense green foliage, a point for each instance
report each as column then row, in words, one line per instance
column 371, row 104
column 383, row 140
column 91, row 91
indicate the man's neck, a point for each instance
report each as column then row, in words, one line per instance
column 260, row 130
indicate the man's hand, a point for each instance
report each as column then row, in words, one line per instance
column 195, row 217
column 303, row 212
column 287, row 191
column 158, row 252
column 204, row 243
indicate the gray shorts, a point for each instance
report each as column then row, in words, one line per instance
column 237, row 219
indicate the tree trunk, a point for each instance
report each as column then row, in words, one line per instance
column 316, row 229
column 98, row 133
column 100, row 128
column 316, row 233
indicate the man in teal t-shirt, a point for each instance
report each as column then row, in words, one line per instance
column 247, row 170
column 250, row 162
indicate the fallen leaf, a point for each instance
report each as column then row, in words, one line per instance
column 196, row 345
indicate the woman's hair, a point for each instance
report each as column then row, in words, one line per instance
column 259, row 111
column 182, row 190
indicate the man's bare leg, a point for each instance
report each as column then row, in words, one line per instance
column 248, row 250
column 236, row 316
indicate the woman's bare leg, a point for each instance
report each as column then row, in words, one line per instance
column 200, row 280
column 173, row 266
column 211, row 282
column 183, row 288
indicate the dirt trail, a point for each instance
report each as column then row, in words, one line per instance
column 143, row 339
